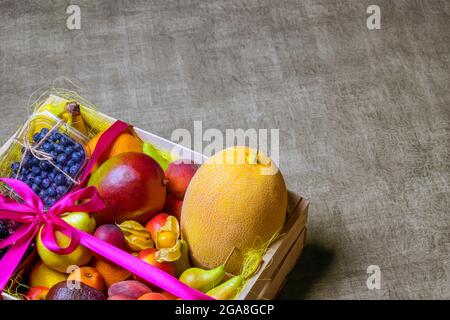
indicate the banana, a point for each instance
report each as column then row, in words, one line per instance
column 68, row 111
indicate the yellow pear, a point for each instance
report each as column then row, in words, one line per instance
column 41, row 275
column 81, row 256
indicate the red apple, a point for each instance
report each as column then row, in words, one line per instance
column 37, row 293
column 149, row 256
column 133, row 187
column 179, row 173
column 173, row 206
column 156, row 223
column 111, row 234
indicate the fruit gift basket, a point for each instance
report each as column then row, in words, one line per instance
column 92, row 208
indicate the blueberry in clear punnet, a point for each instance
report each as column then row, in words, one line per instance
column 36, row 137
column 47, row 147
column 36, row 170
column 59, row 149
column 61, row 159
column 15, row 167
column 68, row 150
column 61, row 190
column 60, row 179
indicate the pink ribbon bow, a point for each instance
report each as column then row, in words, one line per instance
column 32, row 217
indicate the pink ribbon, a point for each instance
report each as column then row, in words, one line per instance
column 32, row 216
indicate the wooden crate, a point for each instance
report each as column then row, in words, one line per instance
column 281, row 256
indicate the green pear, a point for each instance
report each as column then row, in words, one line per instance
column 227, row 290
column 203, row 280
column 81, row 256
column 183, row 263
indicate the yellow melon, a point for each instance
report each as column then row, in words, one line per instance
column 233, row 201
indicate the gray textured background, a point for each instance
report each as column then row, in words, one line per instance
column 363, row 115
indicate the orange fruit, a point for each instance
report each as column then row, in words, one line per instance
column 111, row 272
column 89, row 276
column 169, row 296
column 152, row 296
column 126, row 142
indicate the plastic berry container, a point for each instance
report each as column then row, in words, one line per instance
column 47, row 155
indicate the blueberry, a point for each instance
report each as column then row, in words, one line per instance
column 36, row 171
column 53, row 154
column 27, row 163
column 74, row 170
column 44, row 131
column 60, row 179
column 35, row 162
column 59, row 148
column 77, row 157
column 38, row 180
column 30, row 176
column 51, row 191
column 70, row 163
column 61, row 190
column 66, row 169
column 44, row 174
column 36, row 137
column 61, row 158
column 45, row 183
column 56, row 136
column 45, row 166
column 42, row 193
column 41, row 136
column 47, row 147
column 64, row 141
column 51, row 176
column 15, row 167
column 35, row 188
column 69, row 151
